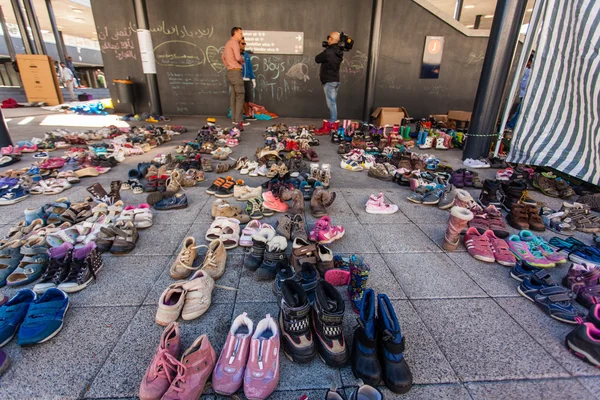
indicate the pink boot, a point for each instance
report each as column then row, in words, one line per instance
column 163, row 368
column 459, row 219
column 262, row 372
column 228, row 375
column 195, row 367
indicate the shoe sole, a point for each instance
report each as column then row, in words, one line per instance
column 515, row 277
column 5, row 366
column 223, row 196
column 299, row 360
column 11, row 337
column 582, row 354
column 14, row 201
column 483, row 258
column 333, row 239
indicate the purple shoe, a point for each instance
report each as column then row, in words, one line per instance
column 4, row 362
column 163, row 368
column 522, row 251
column 583, row 279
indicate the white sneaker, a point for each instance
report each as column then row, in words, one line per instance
column 262, row 170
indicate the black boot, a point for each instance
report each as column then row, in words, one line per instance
column 328, row 319
column 491, row 193
column 365, row 363
column 294, row 323
column 395, row 371
column 513, row 190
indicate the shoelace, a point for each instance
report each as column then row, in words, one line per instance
column 166, row 362
column 186, row 256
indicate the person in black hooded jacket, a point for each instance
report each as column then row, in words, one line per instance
column 330, row 60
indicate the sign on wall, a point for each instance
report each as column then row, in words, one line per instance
column 432, row 57
column 274, row 42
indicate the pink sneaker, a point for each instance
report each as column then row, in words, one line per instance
column 337, row 277
column 250, row 229
column 377, row 205
column 329, row 233
column 479, row 246
column 228, row 375
column 262, row 371
column 273, row 203
column 320, row 225
column 522, row 251
column 501, row 251
column 195, row 368
column 163, row 368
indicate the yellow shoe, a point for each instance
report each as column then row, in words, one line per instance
column 152, row 120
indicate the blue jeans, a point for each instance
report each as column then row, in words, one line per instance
column 513, row 121
column 331, row 91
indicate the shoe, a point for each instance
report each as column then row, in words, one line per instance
column 294, row 323
column 228, row 374
column 351, row 165
column 359, row 275
column 321, row 199
column 31, row 266
column 518, row 217
column 328, row 318
column 13, row 313
column 254, row 208
column 554, row 300
column 183, row 265
column 57, row 270
column 14, row 195
column 545, row 185
column 262, row 371
column 377, row 205
column 126, row 236
column 217, row 183
column 298, row 228
column 251, row 228
column 539, row 244
column 229, row 211
column 170, row 303
column 479, row 246
column 395, row 372
column 324, row 260
column 513, row 191
column 10, row 257
column 447, row 198
column 329, row 233
column 255, row 256
column 366, row 392
column 44, row 318
column 365, row 361
column 584, row 342
column 523, row 251
column 245, row 192
column 457, row 222
column 533, row 218
column 174, row 201
column 502, row 253
column 308, row 277
column 522, row 270
column 273, row 203
column 163, row 367
column 86, row 262
column 583, row 280
column 215, row 259
column 194, row 369
column 491, row 193
column 274, row 254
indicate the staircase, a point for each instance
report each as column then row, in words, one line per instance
column 19, row 93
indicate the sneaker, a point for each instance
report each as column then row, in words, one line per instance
column 329, row 233
column 294, row 323
column 262, row 371
column 479, row 246
column 273, row 203
column 163, row 367
column 274, row 255
column 522, row 251
column 377, row 205
column 328, row 318
column 351, row 165
column 13, row 313
column 255, row 256
column 194, row 369
column 522, row 270
column 584, row 342
column 254, row 208
column 44, row 319
column 245, row 192
column 583, row 279
column 228, row 374
column 502, row 253
column 215, row 259
column 85, row 264
column 57, row 270
column 14, row 195
column 170, row 303
column 539, row 244
column 183, row 265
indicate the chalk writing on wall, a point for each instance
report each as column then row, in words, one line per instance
column 190, row 86
column 182, row 54
column 118, row 43
column 179, row 31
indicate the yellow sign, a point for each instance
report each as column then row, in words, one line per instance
column 39, row 79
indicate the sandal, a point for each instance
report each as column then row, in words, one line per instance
column 125, row 239
column 58, row 208
column 30, row 268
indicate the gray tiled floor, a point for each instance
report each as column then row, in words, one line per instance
column 469, row 335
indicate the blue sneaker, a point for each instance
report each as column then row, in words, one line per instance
column 10, row 257
column 175, row 202
column 14, row 195
column 522, row 270
column 13, row 313
column 554, row 300
column 31, row 214
column 44, row 318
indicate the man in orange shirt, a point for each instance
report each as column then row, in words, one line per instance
column 233, row 59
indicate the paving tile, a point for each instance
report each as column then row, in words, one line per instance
column 381, row 278
column 66, row 364
column 426, row 361
column 230, row 279
column 483, row 343
column 313, row 375
column 163, row 241
column 436, row 233
column 418, row 213
column 253, row 290
column 340, row 211
column 122, row 373
column 592, row 384
column 427, row 392
column 493, row 278
column 357, row 202
column 356, row 240
column 549, row 333
column 401, row 238
column 443, row 278
column 287, row 394
column 547, row 389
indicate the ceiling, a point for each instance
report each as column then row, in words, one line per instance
column 73, row 17
column 472, row 8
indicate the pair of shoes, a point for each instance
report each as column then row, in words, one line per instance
column 273, row 203
column 189, row 299
column 480, row 163
column 553, row 299
column 222, row 187
column 363, row 392
column 324, row 232
column 297, row 317
column 245, row 192
column 531, row 253
column 578, row 252
column 221, row 153
column 170, row 201
column 490, row 218
column 377, row 205
column 221, row 208
column 487, row 247
column 225, row 229
column 297, row 198
column 320, row 173
column 254, row 226
column 581, row 217
column 557, row 221
column 292, row 227
column 34, row 319
column 251, row 355
column 584, row 341
column 317, row 255
column 583, row 280
column 70, row 270
column 320, row 201
column 378, row 346
column 525, row 216
column 267, row 252
column 213, row 264
column 553, row 187
column 170, row 377
column 118, row 239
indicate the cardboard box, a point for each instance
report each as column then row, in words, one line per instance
column 440, row 117
column 389, row 115
column 464, row 116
